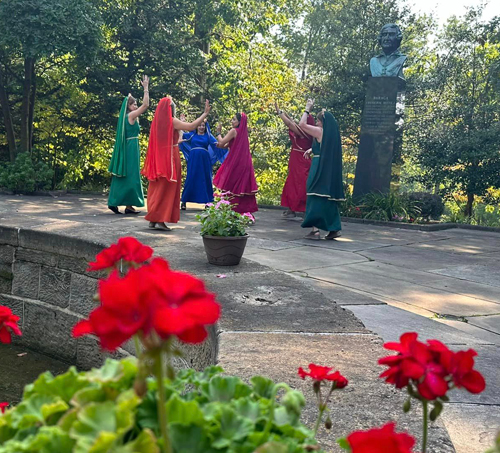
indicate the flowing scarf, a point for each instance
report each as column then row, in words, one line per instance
column 160, row 155
column 236, row 174
column 216, row 154
column 327, row 181
column 118, row 163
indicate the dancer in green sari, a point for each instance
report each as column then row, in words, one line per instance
column 324, row 184
column 126, row 185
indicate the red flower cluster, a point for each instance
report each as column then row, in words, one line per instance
column 8, row 324
column 380, row 440
column 127, row 249
column 322, row 373
column 3, row 406
column 150, row 298
column 431, row 366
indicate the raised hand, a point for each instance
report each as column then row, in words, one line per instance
column 207, row 107
column 182, row 117
column 145, row 82
column 309, row 104
column 219, row 129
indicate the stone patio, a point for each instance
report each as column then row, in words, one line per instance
column 292, row 302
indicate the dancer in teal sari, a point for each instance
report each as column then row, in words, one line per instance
column 125, row 165
column 325, row 187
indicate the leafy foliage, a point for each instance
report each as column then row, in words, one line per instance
column 431, row 206
column 388, row 207
column 219, row 219
column 24, row 176
column 99, row 411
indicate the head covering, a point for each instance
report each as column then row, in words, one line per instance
column 327, row 181
column 118, row 163
column 216, row 154
column 236, row 174
column 160, row 156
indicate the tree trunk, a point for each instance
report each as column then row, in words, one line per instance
column 25, row 109
column 468, row 207
column 31, row 116
column 7, row 118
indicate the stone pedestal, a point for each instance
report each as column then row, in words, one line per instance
column 378, row 129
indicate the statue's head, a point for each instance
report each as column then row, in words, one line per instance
column 390, row 38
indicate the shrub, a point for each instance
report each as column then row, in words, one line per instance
column 24, row 176
column 431, row 206
column 389, row 207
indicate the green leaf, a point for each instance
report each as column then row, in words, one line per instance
column 223, row 388
column 189, row 439
column 36, row 410
column 232, row 428
column 249, row 409
column 262, row 386
column 438, row 407
column 184, row 412
column 344, row 444
column 147, row 412
column 64, row 385
column 117, row 373
column 144, row 443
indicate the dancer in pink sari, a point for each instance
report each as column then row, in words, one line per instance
column 236, row 175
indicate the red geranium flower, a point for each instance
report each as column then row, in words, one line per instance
column 127, row 248
column 8, row 324
column 431, row 367
column 322, row 373
column 416, row 362
column 381, row 440
column 3, row 406
column 463, row 373
column 151, row 298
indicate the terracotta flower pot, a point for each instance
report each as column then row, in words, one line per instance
column 224, row 251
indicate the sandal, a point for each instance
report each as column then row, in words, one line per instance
column 288, row 214
column 313, row 235
column 114, row 209
column 152, row 225
column 332, row 235
column 131, row 211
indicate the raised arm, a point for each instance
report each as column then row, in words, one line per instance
column 287, row 120
column 223, row 142
column 184, row 126
column 313, row 131
column 132, row 116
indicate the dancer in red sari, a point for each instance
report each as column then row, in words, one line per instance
column 163, row 164
column 294, row 191
column 236, row 175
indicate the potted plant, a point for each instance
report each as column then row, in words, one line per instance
column 223, row 232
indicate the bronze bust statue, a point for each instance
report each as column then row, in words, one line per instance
column 390, row 62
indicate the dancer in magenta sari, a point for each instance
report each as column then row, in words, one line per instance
column 236, row 175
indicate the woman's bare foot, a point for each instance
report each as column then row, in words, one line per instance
column 162, row 226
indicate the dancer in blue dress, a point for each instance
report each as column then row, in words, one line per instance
column 201, row 154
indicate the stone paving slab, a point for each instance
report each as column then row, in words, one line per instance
column 366, row 402
column 272, row 301
column 391, row 322
column 434, row 300
column 480, row 273
column 427, row 260
column 337, row 293
column 303, row 258
column 490, row 323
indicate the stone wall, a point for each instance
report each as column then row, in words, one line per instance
column 43, row 280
